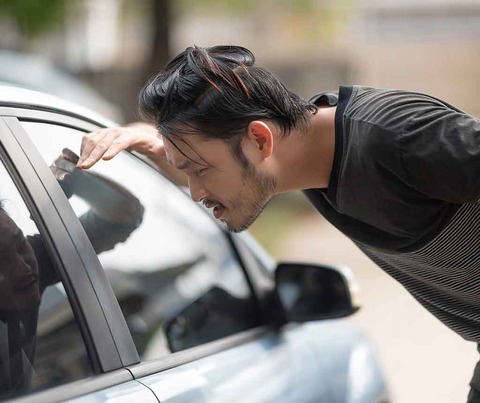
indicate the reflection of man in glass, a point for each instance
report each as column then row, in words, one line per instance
column 19, row 288
column 19, row 301
column 26, row 269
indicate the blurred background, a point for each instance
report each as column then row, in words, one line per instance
column 99, row 53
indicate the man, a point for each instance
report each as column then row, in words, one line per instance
column 397, row 172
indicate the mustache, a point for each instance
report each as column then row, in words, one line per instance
column 208, row 203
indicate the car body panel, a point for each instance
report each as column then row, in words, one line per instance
column 319, row 362
column 129, row 392
column 102, row 387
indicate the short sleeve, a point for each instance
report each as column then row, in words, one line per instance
column 440, row 151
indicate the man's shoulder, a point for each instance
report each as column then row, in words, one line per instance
column 372, row 102
column 370, row 109
column 375, row 107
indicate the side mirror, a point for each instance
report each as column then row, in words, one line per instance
column 310, row 292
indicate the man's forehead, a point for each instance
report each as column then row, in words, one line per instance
column 182, row 154
column 176, row 157
column 180, row 163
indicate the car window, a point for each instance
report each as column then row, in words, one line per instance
column 39, row 348
column 171, row 267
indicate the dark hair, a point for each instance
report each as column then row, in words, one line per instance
column 217, row 92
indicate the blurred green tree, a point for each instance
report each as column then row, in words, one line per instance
column 34, row 17
column 245, row 6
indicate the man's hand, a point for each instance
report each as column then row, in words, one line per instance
column 107, row 143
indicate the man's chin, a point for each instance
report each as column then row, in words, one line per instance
column 237, row 228
column 236, row 224
column 232, row 228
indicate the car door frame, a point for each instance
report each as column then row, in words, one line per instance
column 107, row 345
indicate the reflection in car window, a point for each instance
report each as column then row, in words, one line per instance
column 175, row 276
column 38, row 347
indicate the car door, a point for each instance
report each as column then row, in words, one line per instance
column 55, row 338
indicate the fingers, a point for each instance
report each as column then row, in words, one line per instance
column 100, row 144
column 107, row 143
column 119, row 144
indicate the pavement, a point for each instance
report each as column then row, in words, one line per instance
column 423, row 360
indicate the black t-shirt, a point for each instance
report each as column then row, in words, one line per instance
column 405, row 186
column 404, row 162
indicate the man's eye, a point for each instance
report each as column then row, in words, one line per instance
column 201, row 171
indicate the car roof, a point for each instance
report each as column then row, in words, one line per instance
column 12, row 96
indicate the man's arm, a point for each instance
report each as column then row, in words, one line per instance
column 141, row 137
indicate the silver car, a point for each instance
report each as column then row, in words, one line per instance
column 116, row 287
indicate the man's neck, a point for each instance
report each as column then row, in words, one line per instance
column 306, row 159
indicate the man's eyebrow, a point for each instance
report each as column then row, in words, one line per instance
column 188, row 163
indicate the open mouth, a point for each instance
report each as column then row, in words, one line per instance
column 218, row 208
column 218, row 211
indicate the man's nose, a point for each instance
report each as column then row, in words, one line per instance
column 197, row 191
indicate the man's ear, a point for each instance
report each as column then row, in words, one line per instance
column 260, row 138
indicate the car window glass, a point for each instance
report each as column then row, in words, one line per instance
column 171, row 267
column 40, row 343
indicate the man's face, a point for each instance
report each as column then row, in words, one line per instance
column 19, row 287
column 216, row 178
